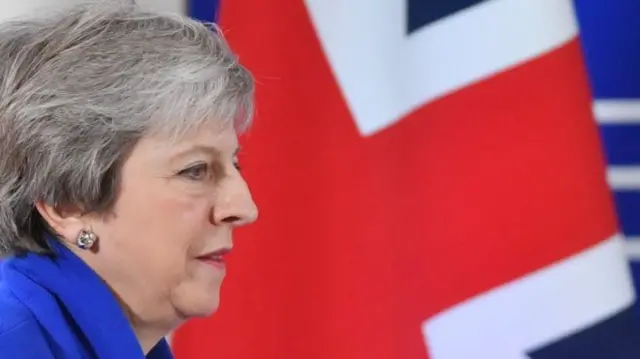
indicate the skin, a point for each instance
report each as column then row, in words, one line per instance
column 177, row 201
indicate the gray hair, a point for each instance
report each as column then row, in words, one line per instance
column 79, row 89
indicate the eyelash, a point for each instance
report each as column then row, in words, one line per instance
column 191, row 171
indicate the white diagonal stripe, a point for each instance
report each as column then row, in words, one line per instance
column 537, row 309
column 384, row 73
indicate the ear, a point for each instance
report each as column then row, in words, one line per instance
column 67, row 221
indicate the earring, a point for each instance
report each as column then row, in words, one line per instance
column 86, row 239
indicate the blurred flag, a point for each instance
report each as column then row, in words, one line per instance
column 611, row 36
column 431, row 185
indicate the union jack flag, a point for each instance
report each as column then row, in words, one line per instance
column 432, row 185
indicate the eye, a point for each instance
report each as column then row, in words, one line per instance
column 196, row 172
column 236, row 163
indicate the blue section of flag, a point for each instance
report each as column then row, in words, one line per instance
column 635, row 271
column 628, row 208
column 613, row 338
column 622, row 142
column 204, row 10
column 424, row 12
column 610, row 31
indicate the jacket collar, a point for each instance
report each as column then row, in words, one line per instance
column 65, row 285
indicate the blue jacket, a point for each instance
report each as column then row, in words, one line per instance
column 59, row 308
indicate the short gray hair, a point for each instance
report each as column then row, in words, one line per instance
column 79, row 89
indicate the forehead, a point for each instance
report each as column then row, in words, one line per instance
column 223, row 139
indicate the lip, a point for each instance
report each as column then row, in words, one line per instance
column 215, row 258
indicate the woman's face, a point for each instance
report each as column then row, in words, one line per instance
column 162, row 250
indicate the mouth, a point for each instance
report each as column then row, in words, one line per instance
column 215, row 259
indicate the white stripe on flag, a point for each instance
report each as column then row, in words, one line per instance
column 385, row 73
column 619, row 111
column 624, row 177
column 536, row 309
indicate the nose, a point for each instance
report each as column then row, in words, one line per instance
column 234, row 203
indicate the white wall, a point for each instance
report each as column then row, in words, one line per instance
column 179, row 6
column 13, row 8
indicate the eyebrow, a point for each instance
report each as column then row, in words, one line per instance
column 209, row 150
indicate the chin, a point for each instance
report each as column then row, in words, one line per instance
column 197, row 303
column 205, row 306
column 210, row 309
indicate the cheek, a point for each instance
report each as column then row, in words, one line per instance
column 161, row 224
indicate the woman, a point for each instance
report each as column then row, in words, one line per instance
column 119, row 180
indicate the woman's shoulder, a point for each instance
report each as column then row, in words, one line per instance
column 13, row 314
column 20, row 334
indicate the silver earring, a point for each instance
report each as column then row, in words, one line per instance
column 86, row 239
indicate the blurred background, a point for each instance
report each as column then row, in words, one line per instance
column 437, row 179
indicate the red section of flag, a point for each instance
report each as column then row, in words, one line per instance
column 362, row 239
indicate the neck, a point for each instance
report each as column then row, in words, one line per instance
column 148, row 334
column 148, row 338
